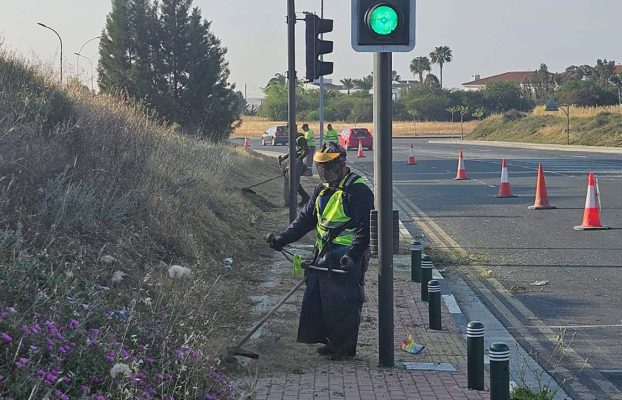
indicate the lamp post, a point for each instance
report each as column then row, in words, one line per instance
column 92, row 71
column 552, row 106
column 61, row 48
column 79, row 53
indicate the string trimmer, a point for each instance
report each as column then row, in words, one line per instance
column 250, row 190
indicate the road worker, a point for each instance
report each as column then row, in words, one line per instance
column 339, row 213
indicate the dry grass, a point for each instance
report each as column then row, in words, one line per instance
column 580, row 112
column 255, row 126
column 82, row 176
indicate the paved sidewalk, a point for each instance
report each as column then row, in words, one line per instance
column 363, row 379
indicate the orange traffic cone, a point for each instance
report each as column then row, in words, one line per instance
column 591, row 214
column 504, row 187
column 360, row 152
column 462, row 174
column 542, row 198
column 246, row 144
column 411, row 156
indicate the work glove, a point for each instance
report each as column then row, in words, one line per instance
column 346, row 262
column 275, row 242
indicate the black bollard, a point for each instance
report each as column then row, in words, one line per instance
column 426, row 276
column 434, row 305
column 415, row 261
column 499, row 355
column 475, row 355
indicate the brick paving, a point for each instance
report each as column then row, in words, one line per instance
column 363, row 379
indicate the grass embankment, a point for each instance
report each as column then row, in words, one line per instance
column 255, row 126
column 113, row 231
column 588, row 126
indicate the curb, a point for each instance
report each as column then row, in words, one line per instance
column 535, row 146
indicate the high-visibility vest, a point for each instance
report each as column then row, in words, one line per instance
column 332, row 215
column 331, row 136
column 299, row 145
column 310, row 136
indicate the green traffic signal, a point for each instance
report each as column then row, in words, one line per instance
column 383, row 20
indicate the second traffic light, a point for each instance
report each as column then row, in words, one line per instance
column 316, row 47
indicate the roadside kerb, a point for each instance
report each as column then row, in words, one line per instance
column 534, row 146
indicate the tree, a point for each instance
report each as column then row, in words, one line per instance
column 479, row 113
column 453, row 110
column 542, row 84
column 365, row 84
column 432, row 81
column 419, row 65
column 277, row 79
column 348, row 84
column 440, row 56
column 395, row 76
column 167, row 58
column 504, row 96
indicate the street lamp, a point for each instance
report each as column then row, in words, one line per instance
column 92, row 71
column 79, row 53
column 552, row 106
column 61, row 48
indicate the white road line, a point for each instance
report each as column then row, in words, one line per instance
column 452, row 304
column 573, row 326
column 483, row 183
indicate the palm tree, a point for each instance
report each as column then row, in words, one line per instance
column 365, row 84
column 419, row 65
column 348, row 84
column 395, row 76
column 440, row 56
column 277, row 79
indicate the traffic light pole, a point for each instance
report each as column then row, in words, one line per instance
column 321, row 84
column 291, row 105
column 383, row 171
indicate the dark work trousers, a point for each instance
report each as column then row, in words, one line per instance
column 331, row 310
column 298, row 171
column 309, row 160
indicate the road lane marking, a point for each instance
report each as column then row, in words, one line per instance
column 483, row 183
column 452, row 304
column 435, row 234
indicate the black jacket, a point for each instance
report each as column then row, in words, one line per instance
column 359, row 202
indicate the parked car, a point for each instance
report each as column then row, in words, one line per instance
column 349, row 138
column 274, row 135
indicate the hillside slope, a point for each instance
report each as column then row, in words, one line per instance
column 601, row 129
column 113, row 231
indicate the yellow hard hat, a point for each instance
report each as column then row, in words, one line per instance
column 329, row 153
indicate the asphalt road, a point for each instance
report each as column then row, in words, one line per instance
column 521, row 246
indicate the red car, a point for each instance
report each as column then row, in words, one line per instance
column 349, row 138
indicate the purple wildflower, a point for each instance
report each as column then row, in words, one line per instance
column 85, row 389
column 209, row 397
column 11, row 310
column 74, row 324
column 66, row 379
column 24, row 329
column 99, row 396
column 6, row 338
column 94, row 331
column 4, row 315
column 110, row 357
column 35, row 328
column 22, row 362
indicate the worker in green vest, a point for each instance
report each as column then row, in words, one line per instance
column 331, row 135
column 310, row 136
column 302, row 151
column 339, row 213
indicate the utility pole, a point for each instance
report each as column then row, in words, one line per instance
column 291, row 105
column 61, row 48
column 321, row 83
column 383, row 179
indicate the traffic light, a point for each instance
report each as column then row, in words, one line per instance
column 383, row 25
column 316, row 47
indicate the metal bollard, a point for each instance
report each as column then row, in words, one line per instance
column 434, row 305
column 499, row 355
column 475, row 355
column 415, row 261
column 426, row 276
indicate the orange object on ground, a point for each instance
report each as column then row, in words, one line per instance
column 411, row 156
column 462, row 174
column 360, row 152
column 591, row 214
column 542, row 198
column 505, row 190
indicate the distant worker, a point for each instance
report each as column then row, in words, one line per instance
column 339, row 212
column 310, row 136
column 331, row 136
column 302, row 150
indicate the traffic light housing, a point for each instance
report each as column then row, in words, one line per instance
column 383, row 25
column 316, row 47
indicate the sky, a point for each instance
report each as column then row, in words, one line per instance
column 487, row 37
